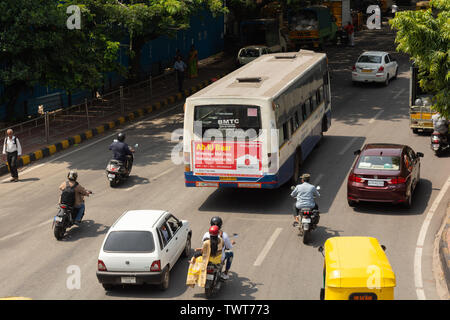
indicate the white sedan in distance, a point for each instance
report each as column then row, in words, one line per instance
column 374, row 66
column 141, row 247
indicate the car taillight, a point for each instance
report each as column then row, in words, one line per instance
column 156, row 266
column 101, row 266
column 355, row 178
column 354, row 68
column 398, row 180
column 381, row 69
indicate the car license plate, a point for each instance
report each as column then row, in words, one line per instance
column 58, row 219
column 375, row 183
column 306, row 220
column 111, row 175
column 128, row 279
column 209, row 277
column 366, row 70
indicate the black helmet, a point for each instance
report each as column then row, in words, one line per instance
column 72, row 175
column 121, row 137
column 216, row 221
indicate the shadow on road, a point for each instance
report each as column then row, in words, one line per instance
column 132, row 181
column 87, row 229
column 235, row 288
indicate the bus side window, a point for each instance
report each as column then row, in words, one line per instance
column 285, row 132
column 311, row 105
column 297, row 119
column 304, row 112
column 317, row 97
column 293, row 125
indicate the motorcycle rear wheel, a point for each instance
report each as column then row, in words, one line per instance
column 209, row 292
column 305, row 236
column 59, row 232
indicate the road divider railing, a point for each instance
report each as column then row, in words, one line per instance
column 88, row 134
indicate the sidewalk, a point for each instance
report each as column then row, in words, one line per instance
column 72, row 131
column 444, row 250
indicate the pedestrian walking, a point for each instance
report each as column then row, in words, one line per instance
column 12, row 150
column 351, row 33
column 180, row 68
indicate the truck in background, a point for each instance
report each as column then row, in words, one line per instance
column 340, row 9
column 314, row 25
column 263, row 32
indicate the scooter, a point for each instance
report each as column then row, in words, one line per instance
column 438, row 143
column 117, row 172
column 64, row 219
column 309, row 220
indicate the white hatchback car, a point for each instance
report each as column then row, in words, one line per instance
column 374, row 66
column 250, row 53
column 141, row 247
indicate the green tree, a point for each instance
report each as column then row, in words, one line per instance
column 425, row 36
column 36, row 47
column 146, row 20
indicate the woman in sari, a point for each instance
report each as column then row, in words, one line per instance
column 193, row 63
column 211, row 251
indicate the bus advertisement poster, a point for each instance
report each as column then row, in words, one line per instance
column 238, row 159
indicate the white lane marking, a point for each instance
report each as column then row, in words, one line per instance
column 376, row 116
column 421, row 241
column 131, row 126
column 347, row 146
column 399, row 93
column 26, row 230
column 267, row 247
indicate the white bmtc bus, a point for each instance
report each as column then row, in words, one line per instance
column 255, row 127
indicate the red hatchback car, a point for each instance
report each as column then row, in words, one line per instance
column 384, row 173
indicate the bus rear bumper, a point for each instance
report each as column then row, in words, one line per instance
column 265, row 182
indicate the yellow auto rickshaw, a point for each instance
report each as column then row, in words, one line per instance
column 356, row 268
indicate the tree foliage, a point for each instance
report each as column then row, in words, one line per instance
column 425, row 36
column 36, row 47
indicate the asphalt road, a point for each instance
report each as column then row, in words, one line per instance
column 34, row 264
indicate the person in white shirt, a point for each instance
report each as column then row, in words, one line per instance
column 12, row 150
column 227, row 245
column 180, row 68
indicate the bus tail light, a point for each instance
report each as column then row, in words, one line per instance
column 187, row 161
column 184, row 107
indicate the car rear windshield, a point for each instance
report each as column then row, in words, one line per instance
column 370, row 59
column 229, row 119
column 390, row 163
column 129, row 241
column 249, row 53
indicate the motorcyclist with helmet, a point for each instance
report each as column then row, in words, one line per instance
column 305, row 194
column 122, row 152
column 228, row 245
column 79, row 193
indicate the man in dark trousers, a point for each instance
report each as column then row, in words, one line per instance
column 12, row 149
column 180, row 67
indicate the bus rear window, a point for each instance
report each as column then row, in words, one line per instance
column 228, row 117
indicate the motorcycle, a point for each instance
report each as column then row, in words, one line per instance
column 213, row 278
column 309, row 220
column 117, row 172
column 438, row 143
column 64, row 219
